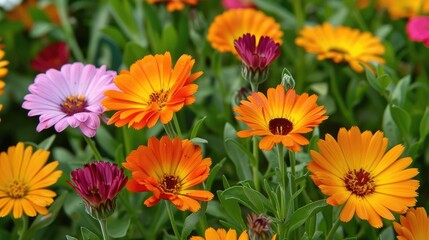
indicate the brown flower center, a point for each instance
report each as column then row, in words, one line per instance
column 280, row 126
column 74, row 104
column 170, row 183
column 338, row 50
column 17, row 189
column 359, row 182
column 159, row 98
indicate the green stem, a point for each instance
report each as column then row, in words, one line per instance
column 132, row 212
column 101, row 19
column 338, row 98
column 282, row 213
column 333, row 229
column 177, row 126
column 91, row 144
column 217, row 69
column 172, row 220
column 68, row 30
column 254, row 86
column 169, row 129
column 127, row 140
column 255, row 165
column 103, row 226
column 293, row 178
column 23, row 231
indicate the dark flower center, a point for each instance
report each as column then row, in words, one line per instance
column 170, row 183
column 17, row 189
column 159, row 98
column 338, row 50
column 359, row 182
column 74, row 104
column 280, row 126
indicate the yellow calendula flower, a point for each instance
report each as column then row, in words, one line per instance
column 234, row 23
column 355, row 170
column 342, row 44
column 413, row 226
column 24, row 178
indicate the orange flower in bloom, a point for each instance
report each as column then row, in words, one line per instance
column 342, row 44
column 234, row 23
column 3, row 72
column 357, row 170
column 282, row 117
column 22, row 13
column 175, row 5
column 151, row 90
column 414, row 226
column 168, row 169
column 221, row 234
column 404, row 8
column 23, row 181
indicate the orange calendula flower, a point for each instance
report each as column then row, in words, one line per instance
column 356, row 170
column 234, row 23
column 221, row 234
column 404, row 8
column 24, row 177
column 3, row 72
column 151, row 90
column 342, row 44
column 280, row 117
column 169, row 168
column 175, row 5
column 414, row 225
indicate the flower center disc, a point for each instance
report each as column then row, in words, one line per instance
column 17, row 189
column 159, row 98
column 359, row 182
column 280, row 126
column 74, row 104
column 170, row 183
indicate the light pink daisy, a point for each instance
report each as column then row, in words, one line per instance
column 418, row 29
column 69, row 97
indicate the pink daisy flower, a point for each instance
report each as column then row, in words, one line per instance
column 69, row 97
column 418, row 29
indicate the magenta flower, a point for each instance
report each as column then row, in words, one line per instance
column 69, row 97
column 418, row 29
column 233, row 4
column 256, row 58
column 52, row 56
column 98, row 184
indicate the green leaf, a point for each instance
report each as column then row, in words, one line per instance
column 237, row 155
column 106, row 141
column 232, row 208
column 118, row 227
column 43, row 221
column 196, row 127
column 169, row 40
column 47, row 143
column 213, row 173
column 123, row 14
column 133, row 52
column 71, row 238
column 192, row 220
column 403, row 121
column 389, row 128
column 88, row 235
column 424, row 125
column 249, row 197
column 198, row 140
column 41, row 29
column 400, row 92
column 300, row 216
column 114, row 34
column 372, row 80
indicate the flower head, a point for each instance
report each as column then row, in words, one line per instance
column 414, row 225
column 234, row 23
column 280, row 117
column 404, row 8
column 221, row 234
column 256, row 58
column 175, row 5
column 232, row 4
column 98, row 184
column 357, row 171
column 169, row 168
column 53, row 56
column 259, row 227
column 342, row 44
column 152, row 90
column 418, row 29
column 24, row 178
column 69, row 97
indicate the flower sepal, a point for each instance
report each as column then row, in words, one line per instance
column 101, row 211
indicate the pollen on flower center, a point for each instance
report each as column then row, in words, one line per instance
column 280, row 126
column 338, row 50
column 359, row 182
column 74, row 104
column 159, row 98
column 17, row 189
column 170, row 183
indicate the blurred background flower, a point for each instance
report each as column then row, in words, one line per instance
column 232, row 4
column 53, row 56
column 414, row 225
column 22, row 13
column 175, row 5
column 418, row 29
